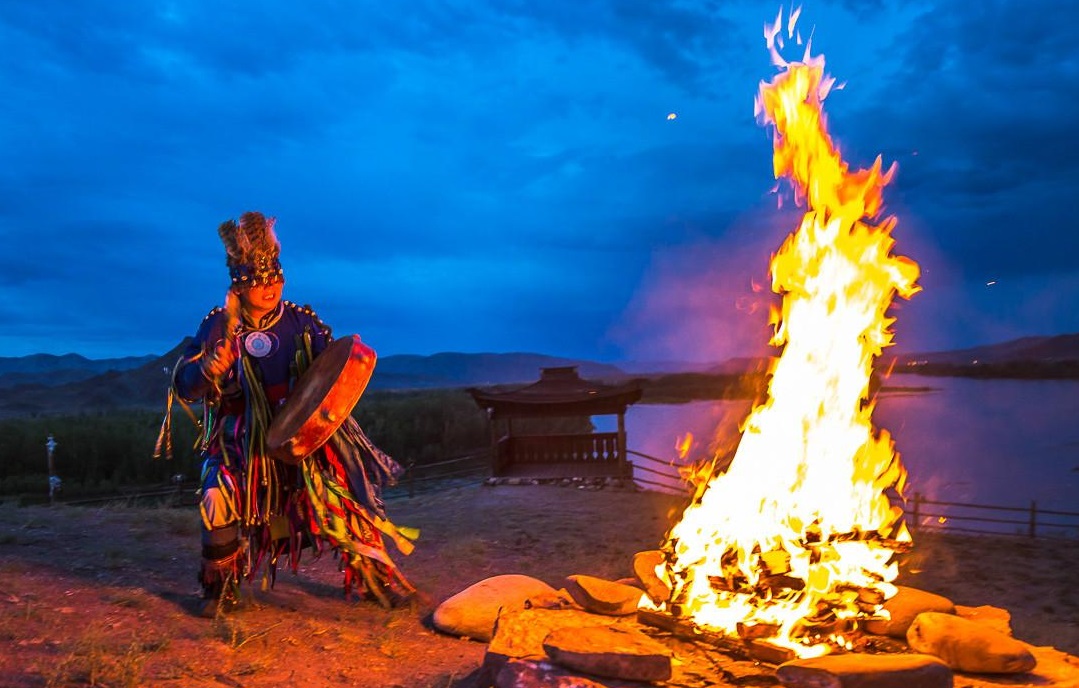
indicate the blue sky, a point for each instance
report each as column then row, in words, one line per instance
column 503, row 175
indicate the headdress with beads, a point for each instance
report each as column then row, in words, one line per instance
column 252, row 249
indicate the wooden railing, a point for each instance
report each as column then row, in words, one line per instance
column 532, row 449
column 922, row 514
column 470, row 468
column 985, row 518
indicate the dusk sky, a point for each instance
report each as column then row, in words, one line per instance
column 507, row 175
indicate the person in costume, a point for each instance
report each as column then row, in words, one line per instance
column 242, row 364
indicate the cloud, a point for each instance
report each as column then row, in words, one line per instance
column 412, row 154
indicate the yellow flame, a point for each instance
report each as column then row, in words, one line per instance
column 801, row 530
column 683, row 445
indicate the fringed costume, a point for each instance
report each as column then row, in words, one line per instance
column 255, row 509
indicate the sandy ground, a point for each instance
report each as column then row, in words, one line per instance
column 107, row 596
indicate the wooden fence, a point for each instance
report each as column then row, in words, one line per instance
column 923, row 514
column 417, row 479
column 659, row 474
column 985, row 518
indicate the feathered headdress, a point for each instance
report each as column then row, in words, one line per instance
column 252, row 249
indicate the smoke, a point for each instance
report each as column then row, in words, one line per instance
column 709, row 300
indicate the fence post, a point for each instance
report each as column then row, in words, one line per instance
column 917, row 508
column 1033, row 518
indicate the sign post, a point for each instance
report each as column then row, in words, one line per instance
column 54, row 480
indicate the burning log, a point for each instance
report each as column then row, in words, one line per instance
column 644, row 569
column 757, row 631
column 751, row 649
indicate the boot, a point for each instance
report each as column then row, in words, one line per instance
column 220, row 587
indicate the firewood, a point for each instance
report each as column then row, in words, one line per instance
column 752, row 650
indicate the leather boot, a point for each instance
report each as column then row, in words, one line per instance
column 220, row 586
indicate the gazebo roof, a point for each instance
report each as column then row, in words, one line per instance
column 560, row 392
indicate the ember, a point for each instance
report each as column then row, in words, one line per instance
column 795, row 541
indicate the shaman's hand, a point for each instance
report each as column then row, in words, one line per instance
column 218, row 361
column 232, row 313
column 223, row 356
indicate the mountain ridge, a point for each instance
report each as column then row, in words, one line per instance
column 143, row 381
column 137, row 383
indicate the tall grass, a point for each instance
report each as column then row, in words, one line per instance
column 106, row 452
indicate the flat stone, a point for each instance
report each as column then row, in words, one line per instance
column 904, row 606
column 473, row 611
column 866, row 671
column 519, row 634
column 603, row 596
column 1055, row 669
column 969, row 646
column 517, row 673
column 644, row 569
column 610, row 651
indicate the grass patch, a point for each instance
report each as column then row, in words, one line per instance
column 92, row 661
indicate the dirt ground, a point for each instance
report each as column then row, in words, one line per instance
column 107, row 596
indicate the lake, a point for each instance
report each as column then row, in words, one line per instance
column 998, row 442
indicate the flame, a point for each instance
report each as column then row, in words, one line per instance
column 799, row 535
column 683, row 445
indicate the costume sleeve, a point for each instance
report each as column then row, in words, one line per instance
column 321, row 334
column 320, row 338
column 187, row 377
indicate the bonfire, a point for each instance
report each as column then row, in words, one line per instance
column 796, row 540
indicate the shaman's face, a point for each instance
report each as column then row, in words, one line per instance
column 259, row 300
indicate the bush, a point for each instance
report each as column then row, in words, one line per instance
column 98, row 454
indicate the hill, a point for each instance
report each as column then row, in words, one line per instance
column 1064, row 347
column 74, row 384
column 51, row 370
column 409, row 371
column 144, row 386
column 1034, row 358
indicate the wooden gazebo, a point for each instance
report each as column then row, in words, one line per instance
column 559, row 393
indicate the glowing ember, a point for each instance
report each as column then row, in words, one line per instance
column 796, row 540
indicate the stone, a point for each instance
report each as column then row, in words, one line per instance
column 644, row 569
column 866, row 671
column 609, row 651
column 603, row 596
column 993, row 617
column 518, row 673
column 904, row 606
column 473, row 611
column 519, row 634
column 969, row 646
column 559, row 599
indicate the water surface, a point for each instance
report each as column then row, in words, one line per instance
column 1000, row 442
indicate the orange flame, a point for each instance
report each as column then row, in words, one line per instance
column 683, row 445
column 800, row 533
